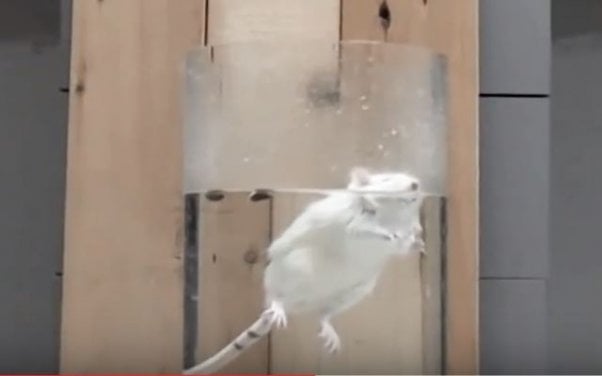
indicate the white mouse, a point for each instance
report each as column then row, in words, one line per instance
column 331, row 256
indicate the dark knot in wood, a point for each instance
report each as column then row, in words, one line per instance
column 384, row 14
column 251, row 256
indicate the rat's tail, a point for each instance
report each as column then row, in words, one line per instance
column 246, row 339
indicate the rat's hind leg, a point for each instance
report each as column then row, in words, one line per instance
column 277, row 313
column 332, row 342
column 338, row 304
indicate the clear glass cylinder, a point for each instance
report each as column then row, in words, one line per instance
column 301, row 115
column 295, row 116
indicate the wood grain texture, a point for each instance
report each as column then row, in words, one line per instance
column 257, row 20
column 122, row 296
column 234, row 233
column 451, row 28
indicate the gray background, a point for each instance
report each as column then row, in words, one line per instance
column 541, row 158
column 541, row 262
column 574, row 302
column 34, row 65
column 515, row 80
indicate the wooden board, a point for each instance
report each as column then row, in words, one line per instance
column 234, row 233
column 432, row 272
column 449, row 27
column 122, row 296
column 251, row 20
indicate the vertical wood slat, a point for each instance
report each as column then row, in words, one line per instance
column 234, row 233
column 253, row 20
column 449, row 27
column 122, row 294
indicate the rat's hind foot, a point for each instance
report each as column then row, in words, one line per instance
column 332, row 342
column 277, row 315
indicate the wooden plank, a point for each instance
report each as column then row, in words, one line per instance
column 449, row 27
column 234, row 232
column 391, row 338
column 283, row 20
column 122, row 297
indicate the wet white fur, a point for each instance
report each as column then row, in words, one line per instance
column 332, row 254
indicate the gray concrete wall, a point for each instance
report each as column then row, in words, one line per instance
column 574, row 303
column 34, row 65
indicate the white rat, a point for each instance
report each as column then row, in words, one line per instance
column 331, row 256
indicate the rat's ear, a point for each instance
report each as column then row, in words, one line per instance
column 359, row 177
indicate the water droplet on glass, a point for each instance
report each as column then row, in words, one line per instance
column 394, row 132
column 365, row 107
column 246, row 159
column 339, row 111
column 363, row 98
column 380, row 146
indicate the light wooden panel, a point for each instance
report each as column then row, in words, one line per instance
column 234, row 232
column 122, row 297
column 252, row 20
column 449, row 27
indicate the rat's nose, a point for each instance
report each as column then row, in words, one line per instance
column 414, row 186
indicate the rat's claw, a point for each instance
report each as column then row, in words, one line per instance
column 332, row 342
column 277, row 315
column 419, row 244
